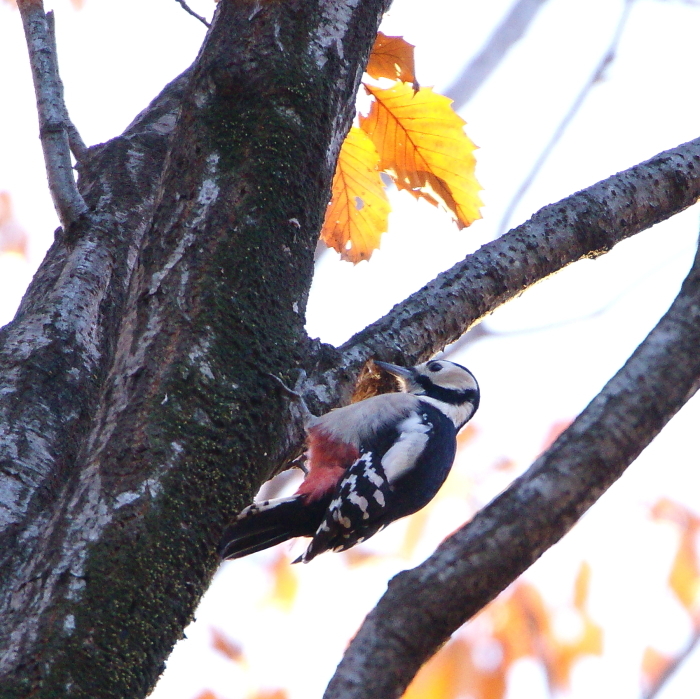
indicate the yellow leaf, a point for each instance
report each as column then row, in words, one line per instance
column 685, row 577
column 583, row 580
column 451, row 674
column 392, row 57
column 523, row 627
column 359, row 210
column 422, row 144
column 285, row 583
column 414, row 532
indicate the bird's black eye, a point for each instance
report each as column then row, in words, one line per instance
column 435, row 366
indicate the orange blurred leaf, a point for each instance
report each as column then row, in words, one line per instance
column 522, row 624
column 392, row 57
column 504, row 463
column 13, row 238
column 207, row 694
column 414, row 531
column 684, row 579
column 467, row 434
column 359, row 555
column 422, row 145
column 270, row 694
column 226, row 646
column 285, row 582
column 581, row 586
column 359, row 210
column 451, row 674
column 654, row 665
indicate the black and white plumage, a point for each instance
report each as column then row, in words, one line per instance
column 370, row 463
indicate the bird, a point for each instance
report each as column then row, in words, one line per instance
column 369, row 464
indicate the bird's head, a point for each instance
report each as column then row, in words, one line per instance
column 442, row 381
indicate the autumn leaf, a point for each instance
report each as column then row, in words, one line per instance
column 359, row 210
column 422, row 144
column 684, row 578
column 523, row 627
column 583, row 580
column 285, row 583
column 207, row 694
column 270, row 694
column 13, row 238
column 392, row 57
column 654, row 665
column 414, row 531
column 467, row 435
column 226, row 646
column 450, row 674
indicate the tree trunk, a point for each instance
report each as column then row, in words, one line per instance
column 138, row 412
column 141, row 408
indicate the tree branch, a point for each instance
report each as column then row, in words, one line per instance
column 124, row 496
column 584, row 225
column 190, row 11
column 509, row 32
column 423, row 606
column 52, row 113
column 75, row 140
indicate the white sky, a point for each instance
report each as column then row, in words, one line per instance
column 531, row 373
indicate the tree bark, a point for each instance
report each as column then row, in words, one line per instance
column 138, row 412
column 139, row 415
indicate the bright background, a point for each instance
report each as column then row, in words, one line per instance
column 544, row 356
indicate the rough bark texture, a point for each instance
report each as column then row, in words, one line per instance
column 138, row 410
column 138, row 414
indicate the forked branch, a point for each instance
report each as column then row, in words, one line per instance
column 53, row 116
column 586, row 224
column 423, row 606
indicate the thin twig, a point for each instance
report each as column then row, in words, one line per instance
column 190, row 11
column 596, row 77
column 507, row 33
column 53, row 133
column 75, row 140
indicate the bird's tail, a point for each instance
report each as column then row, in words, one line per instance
column 271, row 522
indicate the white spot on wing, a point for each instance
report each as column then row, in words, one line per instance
column 401, row 458
column 361, row 502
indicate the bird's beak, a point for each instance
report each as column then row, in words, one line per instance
column 402, row 372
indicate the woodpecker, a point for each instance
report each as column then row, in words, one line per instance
column 369, row 463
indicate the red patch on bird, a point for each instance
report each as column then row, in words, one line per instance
column 328, row 460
